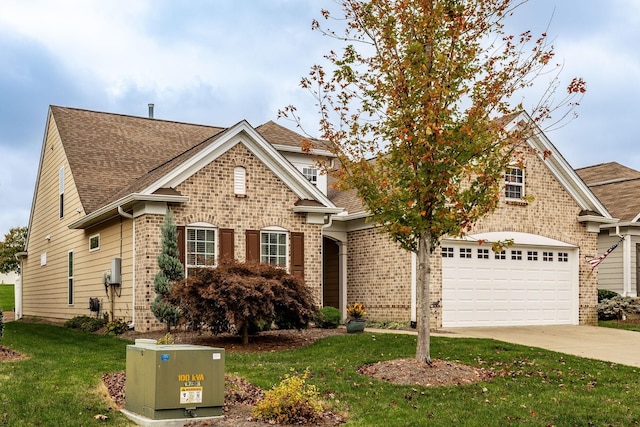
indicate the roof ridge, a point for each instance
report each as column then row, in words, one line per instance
column 136, row 117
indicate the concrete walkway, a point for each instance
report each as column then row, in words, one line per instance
column 592, row 342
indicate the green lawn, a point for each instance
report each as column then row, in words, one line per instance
column 7, row 301
column 56, row 385
column 618, row 325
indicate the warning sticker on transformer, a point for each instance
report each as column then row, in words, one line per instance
column 190, row 395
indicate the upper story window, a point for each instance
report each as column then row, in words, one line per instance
column 240, row 181
column 94, row 243
column 273, row 246
column 61, row 191
column 311, row 174
column 201, row 246
column 514, row 183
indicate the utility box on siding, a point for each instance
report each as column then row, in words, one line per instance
column 174, row 381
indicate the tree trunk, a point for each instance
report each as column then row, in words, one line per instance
column 245, row 334
column 423, row 351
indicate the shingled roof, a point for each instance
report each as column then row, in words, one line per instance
column 114, row 155
column 109, row 152
column 281, row 136
column 616, row 186
column 605, row 173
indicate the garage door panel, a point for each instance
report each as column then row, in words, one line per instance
column 529, row 291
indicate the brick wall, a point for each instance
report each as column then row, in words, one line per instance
column 148, row 243
column 379, row 275
column 268, row 202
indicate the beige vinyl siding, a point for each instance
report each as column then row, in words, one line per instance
column 610, row 271
column 45, row 288
column 90, row 267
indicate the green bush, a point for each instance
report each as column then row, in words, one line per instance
column 116, row 327
column 618, row 307
column 1, row 323
column 604, row 294
column 85, row 323
column 328, row 318
column 292, row 401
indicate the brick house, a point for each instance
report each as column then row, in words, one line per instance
column 105, row 182
column 618, row 188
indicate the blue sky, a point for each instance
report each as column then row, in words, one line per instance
column 218, row 62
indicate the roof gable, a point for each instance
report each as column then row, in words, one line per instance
column 560, row 168
column 556, row 163
column 241, row 133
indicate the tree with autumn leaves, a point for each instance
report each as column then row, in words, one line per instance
column 420, row 109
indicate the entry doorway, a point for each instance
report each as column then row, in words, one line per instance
column 330, row 273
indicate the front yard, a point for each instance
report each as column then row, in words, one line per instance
column 59, row 382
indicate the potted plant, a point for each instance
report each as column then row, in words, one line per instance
column 357, row 312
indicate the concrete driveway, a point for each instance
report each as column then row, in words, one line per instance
column 611, row 345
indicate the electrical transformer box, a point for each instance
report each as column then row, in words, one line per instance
column 174, row 381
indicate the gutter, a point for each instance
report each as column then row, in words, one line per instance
column 111, row 209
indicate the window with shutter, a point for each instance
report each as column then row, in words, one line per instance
column 252, row 246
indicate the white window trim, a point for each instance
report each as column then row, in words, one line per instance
column 90, row 239
column 61, row 193
column 311, row 174
column 70, row 281
column 515, row 184
column 201, row 226
column 276, row 229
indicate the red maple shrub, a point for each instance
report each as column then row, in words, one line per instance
column 243, row 298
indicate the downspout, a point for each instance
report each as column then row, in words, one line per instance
column 20, row 256
column 123, row 214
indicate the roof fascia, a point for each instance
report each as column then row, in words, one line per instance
column 106, row 210
column 313, row 151
column 244, row 133
column 560, row 168
column 317, row 209
column 35, row 188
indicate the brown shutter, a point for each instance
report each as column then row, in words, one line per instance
column 253, row 246
column 226, row 244
column 182, row 245
column 297, row 254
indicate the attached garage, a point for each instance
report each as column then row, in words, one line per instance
column 533, row 282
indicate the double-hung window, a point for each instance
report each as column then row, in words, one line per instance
column 201, row 246
column 311, row 174
column 70, row 277
column 61, row 192
column 273, row 246
column 514, row 183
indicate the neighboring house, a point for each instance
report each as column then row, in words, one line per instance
column 618, row 188
column 105, row 182
column 9, row 278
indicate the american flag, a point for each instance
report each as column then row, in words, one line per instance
column 594, row 262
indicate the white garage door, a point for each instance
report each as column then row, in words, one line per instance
column 524, row 285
